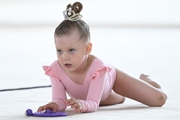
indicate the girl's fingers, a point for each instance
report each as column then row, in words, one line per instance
column 41, row 108
column 50, row 106
column 71, row 101
column 75, row 104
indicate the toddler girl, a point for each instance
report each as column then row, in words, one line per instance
column 87, row 79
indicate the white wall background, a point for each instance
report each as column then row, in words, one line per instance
column 134, row 35
column 98, row 12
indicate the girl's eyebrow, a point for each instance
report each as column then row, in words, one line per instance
column 59, row 50
column 66, row 48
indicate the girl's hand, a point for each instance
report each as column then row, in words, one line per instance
column 51, row 106
column 75, row 104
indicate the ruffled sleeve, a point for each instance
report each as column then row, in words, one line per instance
column 48, row 71
column 96, row 88
column 96, row 74
column 58, row 89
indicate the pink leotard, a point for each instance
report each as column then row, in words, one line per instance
column 96, row 87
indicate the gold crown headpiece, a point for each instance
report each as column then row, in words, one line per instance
column 72, row 12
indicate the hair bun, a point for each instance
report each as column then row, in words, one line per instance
column 72, row 12
column 77, row 7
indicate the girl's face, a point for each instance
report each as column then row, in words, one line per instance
column 72, row 52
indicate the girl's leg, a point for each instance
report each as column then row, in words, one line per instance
column 145, row 91
column 112, row 99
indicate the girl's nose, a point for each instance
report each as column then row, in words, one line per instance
column 65, row 56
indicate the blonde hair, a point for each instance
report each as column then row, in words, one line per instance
column 68, row 26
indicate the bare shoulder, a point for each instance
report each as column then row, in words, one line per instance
column 92, row 58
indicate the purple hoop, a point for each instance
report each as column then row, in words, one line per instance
column 47, row 113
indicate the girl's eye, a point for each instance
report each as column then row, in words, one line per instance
column 59, row 51
column 71, row 50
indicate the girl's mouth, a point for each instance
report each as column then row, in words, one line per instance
column 68, row 65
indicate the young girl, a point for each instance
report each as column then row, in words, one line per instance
column 85, row 78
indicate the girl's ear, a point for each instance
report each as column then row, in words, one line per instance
column 88, row 48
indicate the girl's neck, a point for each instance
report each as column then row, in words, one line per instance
column 83, row 67
column 79, row 75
